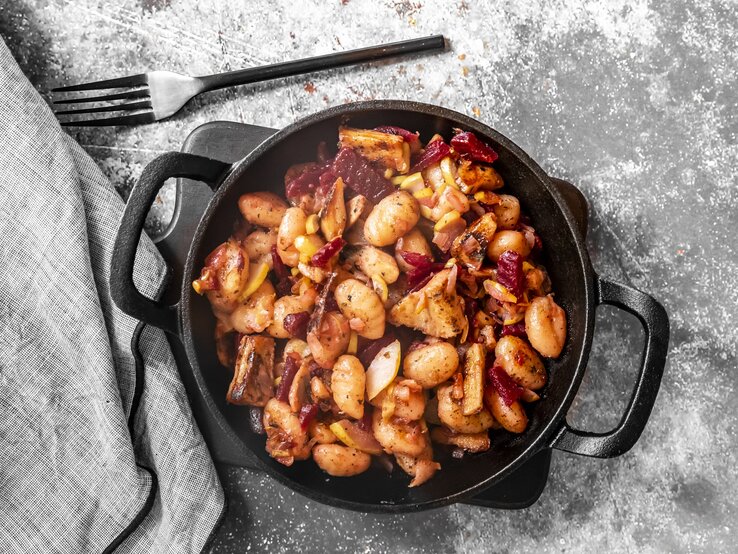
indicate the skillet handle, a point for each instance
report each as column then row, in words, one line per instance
column 656, row 325
column 122, row 289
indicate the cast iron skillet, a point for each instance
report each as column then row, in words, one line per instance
column 578, row 290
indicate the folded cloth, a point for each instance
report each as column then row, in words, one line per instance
column 97, row 453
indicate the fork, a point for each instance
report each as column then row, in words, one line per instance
column 156, row 95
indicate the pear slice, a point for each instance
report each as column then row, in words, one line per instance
column 383, row 369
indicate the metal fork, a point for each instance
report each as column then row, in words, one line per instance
column 157, row 95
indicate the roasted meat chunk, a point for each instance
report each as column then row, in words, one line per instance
column 253, row 379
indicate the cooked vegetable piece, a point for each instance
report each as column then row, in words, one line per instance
column 442, row 313
column 354, row 436
column 253, row 378
column 387, row 149
column 470, row 248
column 383, row 369
column 358, row 174
column 472, row 402
column 470, row 442
column 333, row 214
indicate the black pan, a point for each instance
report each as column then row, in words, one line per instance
column 578, row 290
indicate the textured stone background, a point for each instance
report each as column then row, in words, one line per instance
column 634, row 102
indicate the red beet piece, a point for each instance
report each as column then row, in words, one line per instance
column 508, row 389
column 434, row 152
column 368, row 353
column 423, row 269
column 296, row 324
column 404, row 133
column 307, row 414
column 416, row 260
column 327, row 180
column 331, row 304
column 361, row 176
column 516, row 330
column 280, row 270
column 510, row 272
column 326, row 252
column 468, row 145
column 291, row 365
column 305, row 182
column 284, row 284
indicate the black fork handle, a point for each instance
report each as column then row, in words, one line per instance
column 655, row 323
column 320, row 63
column 122, row 288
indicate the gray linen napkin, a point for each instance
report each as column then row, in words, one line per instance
column 73, row 477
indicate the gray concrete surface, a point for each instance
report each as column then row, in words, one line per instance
column 634, row 102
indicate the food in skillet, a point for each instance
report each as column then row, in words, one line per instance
column 395, row 298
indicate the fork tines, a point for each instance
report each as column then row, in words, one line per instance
column 133, row 83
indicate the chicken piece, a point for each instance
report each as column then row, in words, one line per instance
column 435, row 309
column 422, row 467
column 389, row 150
column 253, row 379
column 470, row 248
column 470, row 442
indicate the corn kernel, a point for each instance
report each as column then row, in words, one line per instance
column 447, row 219
column 423, row 193
column 451, row 263
column 305, row 284
column 528, row 266
column 312, row 225
column 257, row 276
column 405, row 156
column 294, row 271
column 503, row 294
column 426, row 212
column 514, row 319
column 449, row 172
column 398, row 179
column 413, row 182
column 307, row 245
column 388, row 173
column 380, row 287
column 486, row 197
column 353, row 344
column 197, row 286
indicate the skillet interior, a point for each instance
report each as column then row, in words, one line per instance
column 565, row 259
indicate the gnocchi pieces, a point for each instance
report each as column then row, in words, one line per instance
column 391, row 300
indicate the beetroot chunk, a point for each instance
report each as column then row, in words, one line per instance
column 503, row 384
column 361, row 176
column 434, row 153
column 291, row 365
column 367, row 352
column 510, row 272
column 423, row 269
column 296, row 324
column 284, row 283
column 305, row 183
column 516, row 330
column 399, row 131
column 326, row 252
column 307, row 414
column 468, row 145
